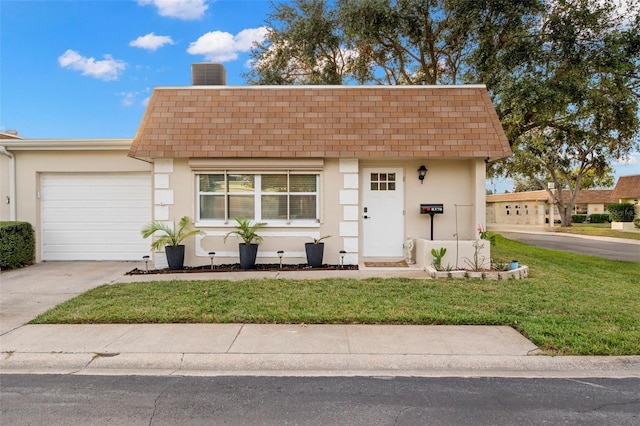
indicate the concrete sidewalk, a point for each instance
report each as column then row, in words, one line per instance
column 255, row 349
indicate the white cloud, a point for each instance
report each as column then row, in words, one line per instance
column 151, row 41
column 107, row 69
column 186, row 10
column 221, row 46
column 128, row 98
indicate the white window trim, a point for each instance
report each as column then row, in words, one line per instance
column 230, row 223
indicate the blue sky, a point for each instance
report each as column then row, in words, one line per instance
column 86, row 68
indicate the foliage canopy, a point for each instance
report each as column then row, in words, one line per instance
column 563, row 74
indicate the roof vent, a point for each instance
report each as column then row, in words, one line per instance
column 208, row 74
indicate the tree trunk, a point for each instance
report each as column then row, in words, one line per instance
column 565, row 215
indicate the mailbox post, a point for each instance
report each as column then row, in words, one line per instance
column 431, row 210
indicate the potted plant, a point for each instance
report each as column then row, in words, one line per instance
column 171, row 239
column 315, row 251
column 248, row 248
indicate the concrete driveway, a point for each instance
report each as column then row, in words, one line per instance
column 30, row 291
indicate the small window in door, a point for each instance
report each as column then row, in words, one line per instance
column 383, row 181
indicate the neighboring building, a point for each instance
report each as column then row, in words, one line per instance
column 307, row 160
column 85, row 198
column 533, row 207
column 627, row 190
column 518, row 208
column 6, row 171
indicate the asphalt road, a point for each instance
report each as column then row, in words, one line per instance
column 147, row 400
column 621, row 250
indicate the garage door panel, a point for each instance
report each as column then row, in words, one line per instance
column 95, row 216
column 102, row 217
column 93, row 194
column 104, row 255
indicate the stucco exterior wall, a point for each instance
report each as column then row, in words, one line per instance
column 596, row 208
column 175, row 197
column 525, row 212
column 31, row 164
column 4, row 188
column 454, row 183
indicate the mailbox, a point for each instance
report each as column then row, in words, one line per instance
column 431, row 209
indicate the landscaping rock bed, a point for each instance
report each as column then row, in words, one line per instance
column 235, row 267
column 515, row 274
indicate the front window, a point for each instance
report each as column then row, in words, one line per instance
column 274, row 197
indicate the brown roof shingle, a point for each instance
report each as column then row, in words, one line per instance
column 627, row 187
column 320, row 121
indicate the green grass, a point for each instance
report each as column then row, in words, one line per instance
column 570, row 304
column 599, row 230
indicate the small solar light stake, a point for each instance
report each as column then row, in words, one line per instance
column 146, row 262
column 342, row 253
column 211, row 255
column 280, row 254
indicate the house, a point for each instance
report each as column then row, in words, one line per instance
column 534, row 207
column 86, row 199
column 322, row 160
column 627, row 190
column 309, row 161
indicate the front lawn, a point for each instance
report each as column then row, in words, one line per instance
column 599, row 230
column 570, row 304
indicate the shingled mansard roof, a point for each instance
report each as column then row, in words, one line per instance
column 321, row 122
column 627, row 187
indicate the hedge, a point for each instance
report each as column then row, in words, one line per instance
column 599, row 218
column 578, row 218
column 17, row 244
column 623, row 212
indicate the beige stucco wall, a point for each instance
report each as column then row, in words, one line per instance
column 31, row 164
column 526, row 212
column 596, row 208
column 4, row 188
column 448, row 182
column 175, row 197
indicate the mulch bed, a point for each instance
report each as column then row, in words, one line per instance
column 399, row 264
column 235, row 267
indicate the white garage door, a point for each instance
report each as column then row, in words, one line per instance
column 91, row 216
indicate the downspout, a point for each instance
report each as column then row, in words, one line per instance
column 12, row 182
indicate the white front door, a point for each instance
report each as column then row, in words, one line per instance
column 383, row 212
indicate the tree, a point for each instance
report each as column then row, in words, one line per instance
column 523, row 184
column 572, row 106
column 377, row 41
column 563, row 74
column 589, row 180
column 304, row 45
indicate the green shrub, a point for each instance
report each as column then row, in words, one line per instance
column 599, row 218
column 623, row 212
column 578, row 218
column 17, row 244
column 636, row 223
